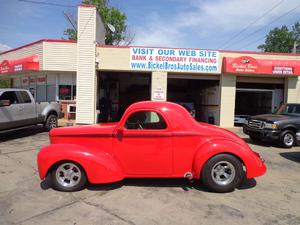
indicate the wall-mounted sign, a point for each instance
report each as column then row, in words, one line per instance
column 171, row 59
column 159, row 94
column 250, row 65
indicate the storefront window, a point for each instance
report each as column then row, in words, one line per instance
column 51, row 93
column 41, row 93
column 65, row 92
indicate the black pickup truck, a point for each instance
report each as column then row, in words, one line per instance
column 282, row 126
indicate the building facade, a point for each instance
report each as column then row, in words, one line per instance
column 101, row 81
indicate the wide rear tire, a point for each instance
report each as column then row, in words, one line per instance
column 222, row 173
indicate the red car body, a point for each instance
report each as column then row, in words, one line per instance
column 109, row 152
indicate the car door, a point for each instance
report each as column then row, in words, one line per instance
column 9, row 115
column 27, row 108
column 143, row 144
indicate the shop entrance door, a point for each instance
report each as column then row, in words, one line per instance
column 251, row 102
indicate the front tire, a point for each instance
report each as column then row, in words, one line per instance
column 51, row 122
column 287, row 139
column 68, row 176
column 222, row 173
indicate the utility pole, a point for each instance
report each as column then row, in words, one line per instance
column 295, row 47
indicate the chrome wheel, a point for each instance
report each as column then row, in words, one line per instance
column 223, row 173
column 68, row 175
column 288, row 139
column 52, row 122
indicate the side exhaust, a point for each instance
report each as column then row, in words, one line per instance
column 189, row 176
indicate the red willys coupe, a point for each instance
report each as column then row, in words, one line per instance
column 152, row 140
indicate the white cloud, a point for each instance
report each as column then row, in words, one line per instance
column 4, row 47
column 211, row 20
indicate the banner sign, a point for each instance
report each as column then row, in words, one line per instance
column 250, row 65
column 30, row 63
column 172, row 59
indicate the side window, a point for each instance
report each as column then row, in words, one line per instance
column 11, row 96
column 146, row 120
column 24, row 97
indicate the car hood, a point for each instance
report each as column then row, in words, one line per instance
column 104, row 129
column 270, row 117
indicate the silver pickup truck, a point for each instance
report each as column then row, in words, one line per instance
column 19, row 109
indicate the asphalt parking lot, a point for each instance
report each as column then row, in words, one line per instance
column 24, row 199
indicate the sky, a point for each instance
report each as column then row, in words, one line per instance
column 206, row 24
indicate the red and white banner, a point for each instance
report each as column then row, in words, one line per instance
column 30, row 63
column 250, row 65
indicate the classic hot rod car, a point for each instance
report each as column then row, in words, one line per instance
column 152, row 140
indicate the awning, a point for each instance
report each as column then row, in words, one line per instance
column 30, row 63
column 250, row 65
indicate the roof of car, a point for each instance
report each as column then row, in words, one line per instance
column 154, row 104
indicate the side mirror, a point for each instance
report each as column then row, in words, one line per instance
column 4, row 103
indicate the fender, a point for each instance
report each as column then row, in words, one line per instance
column 251, row 160
column 100, row 166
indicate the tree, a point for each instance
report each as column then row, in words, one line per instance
column 278, row 40
column 281, row 39
column 110, row 16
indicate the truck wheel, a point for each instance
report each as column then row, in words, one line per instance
column 51, row 122
column 287, row 139
column 222, row 173
column 68, row 176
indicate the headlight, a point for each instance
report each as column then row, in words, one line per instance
column 271, row 126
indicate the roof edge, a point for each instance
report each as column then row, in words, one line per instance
column 37, row 42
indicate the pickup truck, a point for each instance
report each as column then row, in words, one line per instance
column 281, row 126
column 19, row 109
column 152, row 139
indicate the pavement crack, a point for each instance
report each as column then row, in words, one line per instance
column 46, row 212
column 108, row 211
column 28, row 150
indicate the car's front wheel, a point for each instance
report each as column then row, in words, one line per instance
column 68, row 176
column 287, row 139
column 222, row 173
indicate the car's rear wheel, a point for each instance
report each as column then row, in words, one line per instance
column 51, row 122
column 68, row 176
column 287, row 139
column 222, row 173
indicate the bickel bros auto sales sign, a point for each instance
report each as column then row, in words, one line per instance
column 169, row 59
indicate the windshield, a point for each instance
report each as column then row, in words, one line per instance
column 291, row 110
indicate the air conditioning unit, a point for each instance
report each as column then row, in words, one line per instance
column 71, row 108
